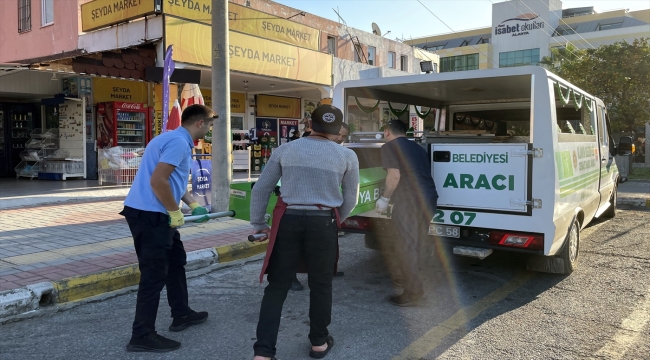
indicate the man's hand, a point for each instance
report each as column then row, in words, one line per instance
column 176, row 218
column 199, row 210
column 381, row 206
column 266, row 232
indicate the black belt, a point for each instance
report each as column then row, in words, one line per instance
column 308, row 212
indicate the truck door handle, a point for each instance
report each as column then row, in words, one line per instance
column 603, row 159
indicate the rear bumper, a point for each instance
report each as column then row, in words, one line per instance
column 470, row 237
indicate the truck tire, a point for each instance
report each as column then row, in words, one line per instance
column 569, row 253
column 610, row 213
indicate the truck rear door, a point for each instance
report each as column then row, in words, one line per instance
column 483, row 177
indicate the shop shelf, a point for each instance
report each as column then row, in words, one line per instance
column 63, row 167
column 36, row 143
column 27, row 169
column 31, row 155
column 39, row 133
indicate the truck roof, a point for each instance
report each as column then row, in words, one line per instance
column 433, row 90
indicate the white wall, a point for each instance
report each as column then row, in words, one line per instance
column 122, row 36
column 38, row 84
column 526, row 39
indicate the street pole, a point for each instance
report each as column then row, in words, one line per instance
column 221, row 139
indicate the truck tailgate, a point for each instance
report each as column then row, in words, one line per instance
column 488, row 177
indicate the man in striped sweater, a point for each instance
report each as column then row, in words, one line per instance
column 320, row 187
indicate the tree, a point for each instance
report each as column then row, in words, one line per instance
column 619, row 74
column 560, row 56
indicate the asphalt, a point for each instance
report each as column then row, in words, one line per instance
column 490, row 309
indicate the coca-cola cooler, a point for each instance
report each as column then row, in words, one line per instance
column 123, row 124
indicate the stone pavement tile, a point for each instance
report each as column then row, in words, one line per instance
column 9, row 285
column 8, row 271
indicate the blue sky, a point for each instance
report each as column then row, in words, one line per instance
column 407, row 18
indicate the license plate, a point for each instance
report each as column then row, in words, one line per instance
column 443, row 230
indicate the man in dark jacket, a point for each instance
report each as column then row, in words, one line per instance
column 410, row 185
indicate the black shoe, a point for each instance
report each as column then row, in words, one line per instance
column 321, row 354
column 406, row 299
column 296, row 285
column 339, row 273
column 182, row 323
column 152, row 343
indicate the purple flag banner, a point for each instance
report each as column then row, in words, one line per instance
column 168, row 69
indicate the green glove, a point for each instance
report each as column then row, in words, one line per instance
column 199, row 210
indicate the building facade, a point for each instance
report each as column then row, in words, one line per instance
column 524, row 31
column 283, row 62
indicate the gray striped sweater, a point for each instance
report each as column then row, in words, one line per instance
column 314, row 171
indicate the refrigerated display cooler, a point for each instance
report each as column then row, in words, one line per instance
column 123, row 124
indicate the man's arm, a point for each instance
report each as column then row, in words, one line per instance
column 262, row 191
column 392, row 179
column 350, row 188
column 160, row 185
column 188, row 198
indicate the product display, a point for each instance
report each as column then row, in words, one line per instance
column 122, row 124
column 118, row 165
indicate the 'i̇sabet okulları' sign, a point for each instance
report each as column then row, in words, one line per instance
column 246, row 20
column 248, row 53
column 102, row 13
column 519, row 25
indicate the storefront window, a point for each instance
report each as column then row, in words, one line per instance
column 459, row 63
column 519, row 58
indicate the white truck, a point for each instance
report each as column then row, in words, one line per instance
column 522, row 159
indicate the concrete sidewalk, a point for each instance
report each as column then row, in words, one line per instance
column 84, row 249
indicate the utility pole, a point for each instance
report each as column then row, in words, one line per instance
column 221, row 139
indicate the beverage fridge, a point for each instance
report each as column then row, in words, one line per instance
column 123, row 124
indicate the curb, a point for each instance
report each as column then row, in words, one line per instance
column 639, row 202
column 33, row 297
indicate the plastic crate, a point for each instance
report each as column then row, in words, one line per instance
column 50, row 176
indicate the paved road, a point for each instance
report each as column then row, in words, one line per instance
column 491, row 309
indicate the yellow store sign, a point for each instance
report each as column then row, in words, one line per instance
column 248, row 54
column 237, row 101
column 101, row 13
column 249, row 21
column 107, row 89
column 278, row 106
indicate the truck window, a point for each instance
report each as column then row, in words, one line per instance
column 500, row 122
column 573, row 124
column 601, row 129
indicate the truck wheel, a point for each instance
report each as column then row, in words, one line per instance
column 570, row 250
column 371, row 241
column 610, row 213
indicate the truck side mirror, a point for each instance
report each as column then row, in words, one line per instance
column 625, row 146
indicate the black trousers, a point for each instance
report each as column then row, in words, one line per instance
column 315, row 239
column 162, row 259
